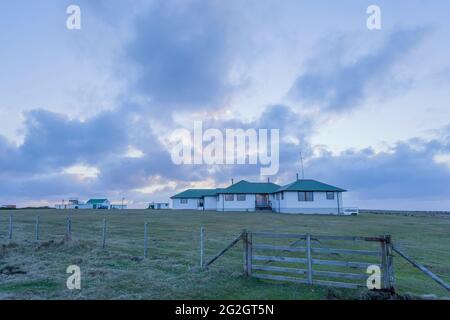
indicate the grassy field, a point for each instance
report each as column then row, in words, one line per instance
column 31, row 269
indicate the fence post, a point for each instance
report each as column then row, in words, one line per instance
column 37, row 228
column 10, row 228
column 202, row 239
column 245, row 247
column 104, row 233
column 385, row 276
column 145, row 240
column 390, row 264
column 249, row 253
column 69, row 228
column 309, row 258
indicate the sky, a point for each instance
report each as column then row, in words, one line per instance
column 90, row 112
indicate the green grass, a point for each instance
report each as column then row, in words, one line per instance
column 172, row 268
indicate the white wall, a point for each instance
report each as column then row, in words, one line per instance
column 162, row 205
column 192, row 204
column 247, row 205
column 74, row 206
column 290, row 203
column 210, row 203
column 118, row 206
column 320, row 205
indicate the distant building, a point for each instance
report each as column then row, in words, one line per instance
column 93, row 203
column 118, row 206
column 99, row 203
column 303, row 196
column 8, row 206
column 74, row 201
column 159, row 205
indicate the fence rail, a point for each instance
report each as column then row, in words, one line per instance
column 313, row 262
column 312, row 257
column 422, row 268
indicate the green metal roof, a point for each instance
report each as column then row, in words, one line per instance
column 309, row 185
column 251, row 187
column 195, row 193
column 96, row 201
column 255, row 188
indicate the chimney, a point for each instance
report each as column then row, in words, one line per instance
column 232, row 181
column 268, row 179
column 297, row 176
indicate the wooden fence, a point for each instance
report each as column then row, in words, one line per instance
column 310, row 263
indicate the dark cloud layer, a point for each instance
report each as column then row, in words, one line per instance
column 53, row 141
column 407, row 171
column 343, row 85
column 34, row 169
column 181, row 53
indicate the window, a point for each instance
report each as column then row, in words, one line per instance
column 302, row 196
column 229, row 197
column 330, row 195
column 241, row 197
column 282, row 196
column 305, row 196
column 183, row 201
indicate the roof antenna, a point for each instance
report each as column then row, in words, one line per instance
column 301, row 162
column 232, row 181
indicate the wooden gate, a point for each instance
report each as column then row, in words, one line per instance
column 320, row 260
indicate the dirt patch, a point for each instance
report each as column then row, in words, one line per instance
column 97, row 273
column 48, row 244
column 335, row 294
column 6, row 248
column 66, row 243
column 11, row 270
column 77, row 261
column 136, row 259
column 383, row 295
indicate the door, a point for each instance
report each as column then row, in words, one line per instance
column 262, row 200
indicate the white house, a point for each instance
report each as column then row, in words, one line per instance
column 90, row 204
column 99, row 203
column 246, row 196
column 195, row 199
column 308, row 196
column 159, row 206
column 73, row 203
column 303, row 196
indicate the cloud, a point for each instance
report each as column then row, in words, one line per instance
column 294, row 129
column 337, row 81
column 56, row 150
column 53, row 140
column 184, row 57
column 40, row 168
column 408, row 170
column 181, row 54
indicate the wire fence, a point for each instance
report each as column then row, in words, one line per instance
column 149, row 239
column 144, row 239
